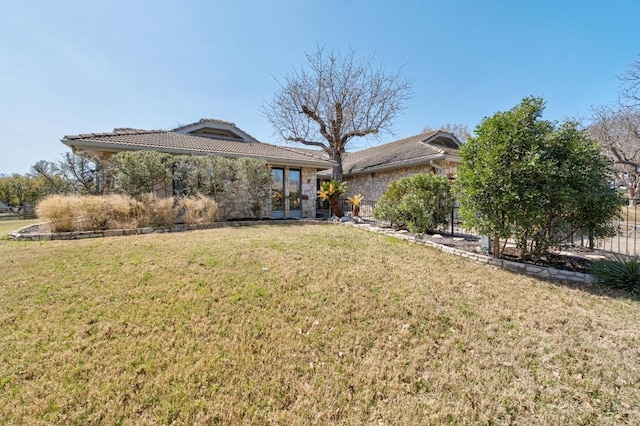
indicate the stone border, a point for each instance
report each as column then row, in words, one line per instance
column 541, row 272
column 79, row 235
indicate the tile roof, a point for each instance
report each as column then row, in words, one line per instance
column 205, row 120
column 404, row 152
column 177, row 143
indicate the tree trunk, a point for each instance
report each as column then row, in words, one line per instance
column 337, row 173
column 632, row 197
column 496, row 247
column 335, row 206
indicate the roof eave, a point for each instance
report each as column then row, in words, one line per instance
column 397, row 165
column 80, row 144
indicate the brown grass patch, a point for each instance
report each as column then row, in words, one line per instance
column 60, row 210
column 198, row 209
column 302, row 325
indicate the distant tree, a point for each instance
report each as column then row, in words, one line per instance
column 630, row 92
column 618, row 132
column 49, row 178
column 335, row 99
column 461, row 131
column 534, row 181
column 617, row 128
column 17, row 190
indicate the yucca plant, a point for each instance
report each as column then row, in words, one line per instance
column 618, row 272
column 356, row 200
column 331, row 191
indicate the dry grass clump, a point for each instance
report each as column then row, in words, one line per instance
column 92, row 212
column 302, row 325
column 86, row 213
column 123, row 211
column 156, row 211
column 198, row 209
column 60, row 210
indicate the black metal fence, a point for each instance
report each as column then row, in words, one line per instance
column 626, row 241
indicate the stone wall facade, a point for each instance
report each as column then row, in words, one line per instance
column 235, row 203
column 373, row 185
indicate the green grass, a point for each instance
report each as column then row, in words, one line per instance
column 301, row 325
column 7, row 226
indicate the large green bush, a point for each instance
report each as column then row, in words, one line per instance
column 534, row 181
column 419, row 203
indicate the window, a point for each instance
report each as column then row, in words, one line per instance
column 294, row 189
column 277, row 190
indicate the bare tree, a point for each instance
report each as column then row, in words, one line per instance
column 460, row 131
column 617, row 131
column 630, row 92
column 336, row 98
column 617, row 128
column 80, row 170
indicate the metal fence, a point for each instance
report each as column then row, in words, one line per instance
column 626, row 241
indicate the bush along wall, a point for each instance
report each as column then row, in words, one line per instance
column 419, row 203
column 241, row 187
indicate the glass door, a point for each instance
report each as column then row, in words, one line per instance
column 295, row 189
column 277, row 194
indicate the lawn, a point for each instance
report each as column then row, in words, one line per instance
column 7, row 226
column 302, row 325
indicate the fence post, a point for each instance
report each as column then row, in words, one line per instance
column 452, row 213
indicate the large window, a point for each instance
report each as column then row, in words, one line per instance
column 294, row 190
column 277, row 190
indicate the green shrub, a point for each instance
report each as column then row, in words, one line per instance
column 618, row 272
column 419, row 203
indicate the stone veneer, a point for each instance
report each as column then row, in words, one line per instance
column 234, row 204
column 373, row 185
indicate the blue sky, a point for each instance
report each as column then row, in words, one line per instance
column 72, row 67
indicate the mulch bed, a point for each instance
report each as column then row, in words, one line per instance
column 578, row 259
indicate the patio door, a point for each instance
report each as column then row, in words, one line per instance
column 295, row 189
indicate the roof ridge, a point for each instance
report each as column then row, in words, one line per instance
column 118, row 131
column 206, row 120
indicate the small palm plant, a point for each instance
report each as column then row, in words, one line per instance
column 331, row 191
column 618, row 272
column 356, row 200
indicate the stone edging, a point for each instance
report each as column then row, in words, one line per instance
column 545, row 273
column 79, row 235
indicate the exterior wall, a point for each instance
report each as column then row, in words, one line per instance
column 235, row 204
column 373, row 185
column 309, row 192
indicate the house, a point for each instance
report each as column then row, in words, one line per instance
column 370, row 171
column 297, row 172
column 294, row 171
